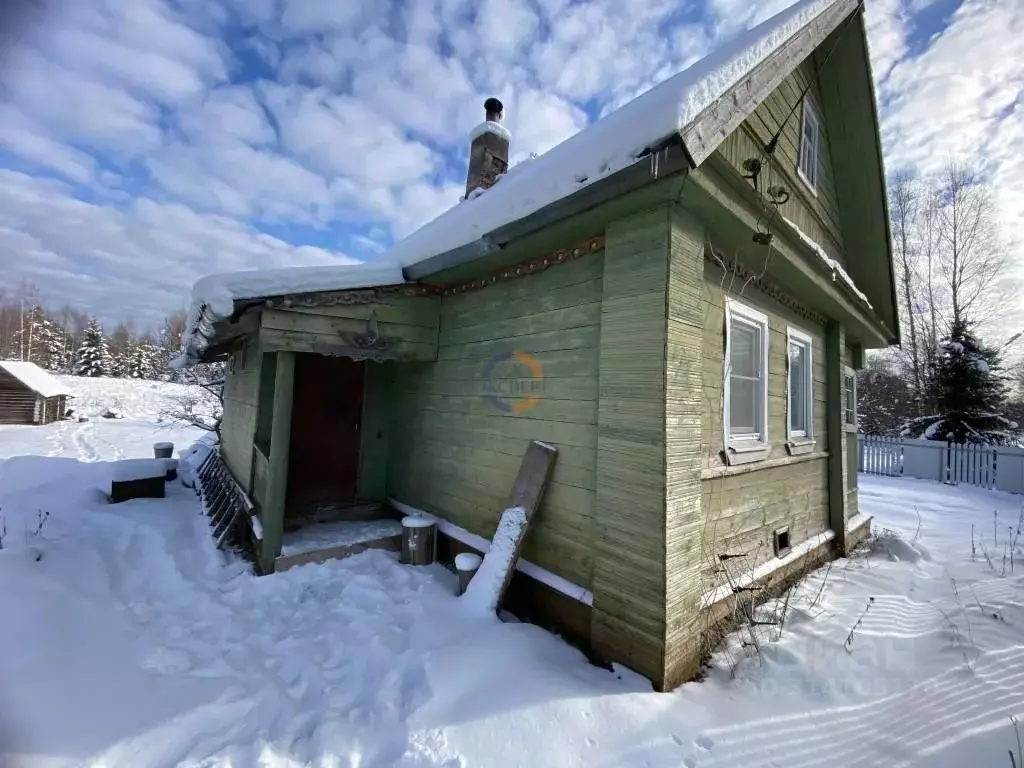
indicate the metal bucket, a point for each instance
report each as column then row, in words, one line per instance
column 163, row 450
column 466, row 566
column 419, row 540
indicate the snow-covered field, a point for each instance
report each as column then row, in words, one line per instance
column 132, row 642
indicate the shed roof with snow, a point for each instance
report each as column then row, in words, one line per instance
column 697, row 108
column 35, row 378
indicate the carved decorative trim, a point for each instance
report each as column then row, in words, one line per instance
column 370, row 343
column 764, row 285
column 530, row 267
column 347, row 298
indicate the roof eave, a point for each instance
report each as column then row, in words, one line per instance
column 670, row 159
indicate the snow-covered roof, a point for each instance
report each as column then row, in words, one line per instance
column 35, row 378
column 612, row 143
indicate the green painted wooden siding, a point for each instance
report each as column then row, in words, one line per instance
column 453, row 452
column 411, row 322
column 742, row 510
column 816, row 214
column 376, row 428
column 628, row 618
column 241, row 394
column 779, row 319
column 684, row 413
column 260, row 476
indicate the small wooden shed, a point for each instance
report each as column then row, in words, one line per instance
column 30, row 395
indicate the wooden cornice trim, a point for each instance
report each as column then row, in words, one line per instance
column 593, row 244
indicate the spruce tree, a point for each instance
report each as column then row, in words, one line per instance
column 969, row 394
column 93, row 356
column 140, row 361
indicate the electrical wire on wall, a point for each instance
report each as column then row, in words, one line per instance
column 760, row 170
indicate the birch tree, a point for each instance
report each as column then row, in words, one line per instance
column 972, row 261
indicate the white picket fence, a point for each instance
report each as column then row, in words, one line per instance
column 999, row 468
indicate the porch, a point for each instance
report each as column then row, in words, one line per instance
column 317, row 451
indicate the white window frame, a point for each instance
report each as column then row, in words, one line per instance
column 849, row 372
column 741, row 449
column 800, row 438
column 812, row 116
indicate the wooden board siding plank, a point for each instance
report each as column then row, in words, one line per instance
column 335, row 326
column 272, row 340
column 376, row 431
column 628, row 617
column 684, row 405
column 740, row 513
column 460, row 309
column 238, row 428
column 580, row 315
column 836, row 357
column 584, row 337
column 577, row 388
column 554, row 364
column 437, row 430
column 546, row 408
column 712, row 367
column 466, row 319
column 420, row 311
column 273, row 512
column 454, row 445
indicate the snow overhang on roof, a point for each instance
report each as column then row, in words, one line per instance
column 677, row 107
column 35, row 378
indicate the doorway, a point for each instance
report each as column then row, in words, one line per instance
column 324, row 452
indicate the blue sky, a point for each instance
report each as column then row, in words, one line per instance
column 148, row 142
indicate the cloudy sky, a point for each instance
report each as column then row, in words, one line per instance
column 144, row 143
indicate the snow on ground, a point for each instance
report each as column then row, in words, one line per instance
column 141, row 402
column 133, row 642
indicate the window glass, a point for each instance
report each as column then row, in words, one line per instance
column 798, row 386
column 746, row 385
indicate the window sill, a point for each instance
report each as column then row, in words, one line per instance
column 850, row 429
column 740, row 453
column 800, row 446
column 782, row 461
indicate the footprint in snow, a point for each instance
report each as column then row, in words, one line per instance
column 704, row 742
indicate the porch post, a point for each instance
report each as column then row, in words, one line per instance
column 835, row 341
column 277, row 475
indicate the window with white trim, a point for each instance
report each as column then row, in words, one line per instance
column 850, row 391
column 810, row 145
column 746, row 378
column 800, row 386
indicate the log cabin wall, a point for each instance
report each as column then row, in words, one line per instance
column 18, row 403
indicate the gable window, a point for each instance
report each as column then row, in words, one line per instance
column 810, row 145
column 850, row 391
column 799, row 391
column 745, row 384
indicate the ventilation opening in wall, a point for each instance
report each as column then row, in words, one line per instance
column 782, row 542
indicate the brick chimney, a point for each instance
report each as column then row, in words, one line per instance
column 488, row 149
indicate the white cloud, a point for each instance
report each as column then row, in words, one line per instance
column 344, row 136
column 145, row 106
column 27, row 140
column 137, row 261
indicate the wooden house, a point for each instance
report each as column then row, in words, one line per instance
column 30, row 395
column 676, row 297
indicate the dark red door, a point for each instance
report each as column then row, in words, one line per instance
column 323, row 459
